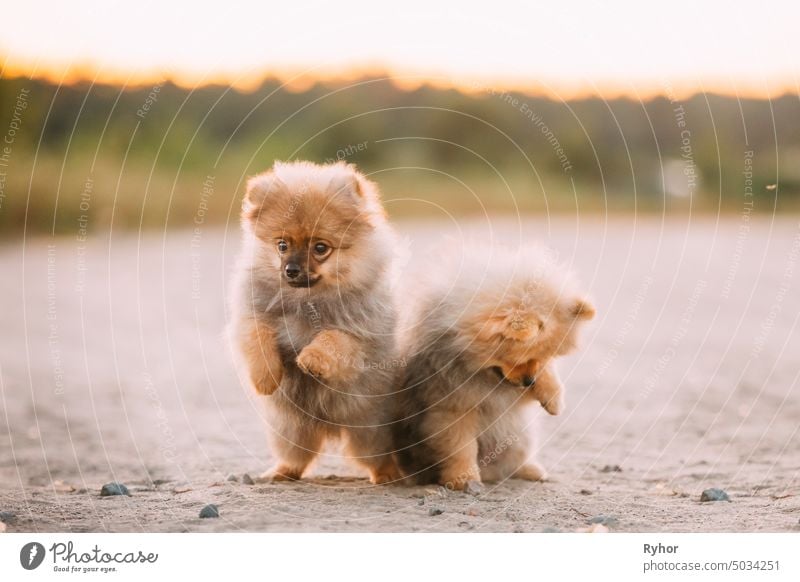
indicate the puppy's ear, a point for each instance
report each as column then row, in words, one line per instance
column 350, row 186
column 259, row 190
column 514, row 326
column 491, row 328
column 580, row 309
column 345, row 185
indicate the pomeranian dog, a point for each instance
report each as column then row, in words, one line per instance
column 480, row 345
column 313, row 318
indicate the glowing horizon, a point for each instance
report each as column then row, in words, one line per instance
column 619, row 49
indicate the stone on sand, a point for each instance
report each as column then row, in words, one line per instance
column 114, row 488
column 606, row 520
column 209, row 511
column 714, row 494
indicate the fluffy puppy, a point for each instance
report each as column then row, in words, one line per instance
column 480, row 349
column 313, row 319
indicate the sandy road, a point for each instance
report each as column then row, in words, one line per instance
column 112, row 367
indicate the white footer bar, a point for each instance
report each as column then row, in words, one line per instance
column 401, row 557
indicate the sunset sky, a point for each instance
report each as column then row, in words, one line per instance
column 565, row 48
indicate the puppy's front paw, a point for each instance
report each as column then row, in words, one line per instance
column 553, row 404
column 256, row 343
column 549, row 391
column 266, row 383
column 315, row 361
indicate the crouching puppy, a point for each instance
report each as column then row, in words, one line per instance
column 312, row 318
column 480, row 348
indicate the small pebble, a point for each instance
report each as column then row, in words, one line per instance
column 473, row 488
column 606, row 520
column 421, row 501
column 247, row 479
column 209, row 511
column 585, row 492
column 7, row 516
column 714, row 494
column 114, row 489
column 435, row 511
column 611, row 469
column 232, row 478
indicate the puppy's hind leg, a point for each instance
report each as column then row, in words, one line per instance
column 371, row 447
column 296, row 448
column 531, row 471
column 507, row 456
column 455, row 441
column 504, row 460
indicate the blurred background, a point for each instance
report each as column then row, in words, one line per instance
column 133, row 114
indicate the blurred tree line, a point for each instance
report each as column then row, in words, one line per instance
column 162, row 156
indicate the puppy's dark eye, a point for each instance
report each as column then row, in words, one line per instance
column 283, row 246
column 321, row 248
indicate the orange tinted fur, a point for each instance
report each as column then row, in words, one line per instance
column 313, row 317
column 481, row 345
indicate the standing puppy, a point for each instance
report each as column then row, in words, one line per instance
column 313, row 320
column 480, row 347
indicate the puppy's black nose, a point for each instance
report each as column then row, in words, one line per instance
column 292, row 270
column 528, row 381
